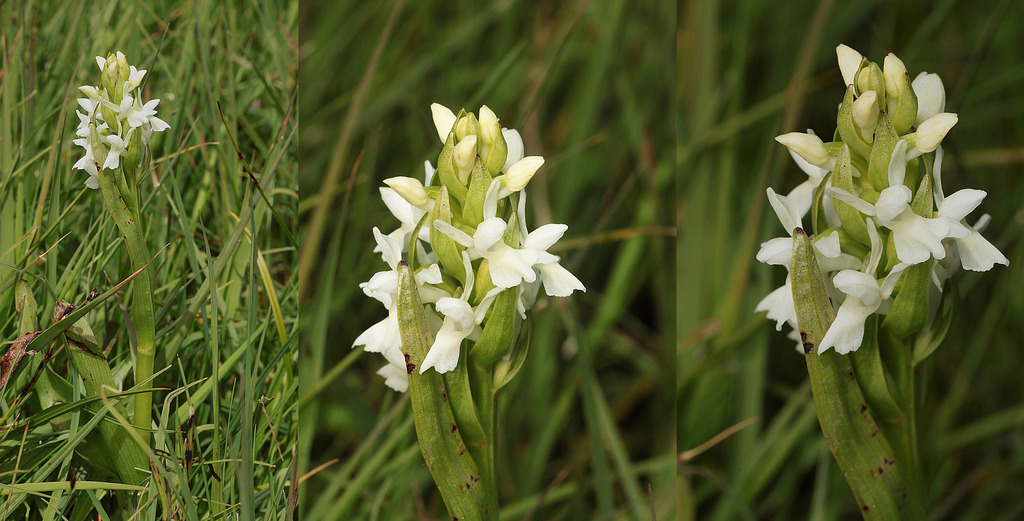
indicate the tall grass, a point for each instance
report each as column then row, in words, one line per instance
column 582, row 429
column 751, row 71
column 225, row 289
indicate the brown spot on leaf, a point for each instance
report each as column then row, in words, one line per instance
column 863, row 408
column 865, row 508
column 410, row 368
column 454, row 428
column 85, row 348
column 799, row 231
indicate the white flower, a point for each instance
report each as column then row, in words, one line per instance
column 930, row 134
column 412, row 190
column 395, row 376
column 459, row 322
column 117, row 146
column 779, row 251
column 519, row 175
column 134, row 79
column 803, row 194
column 864, row 296
column 407, row 214
column 384, row 337
column 972, row 250
column 914, row 236
column 146, row 115
column 557, row 281
column 508, row 266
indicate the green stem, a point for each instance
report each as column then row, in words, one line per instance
column 484, row 396
column 130, row 226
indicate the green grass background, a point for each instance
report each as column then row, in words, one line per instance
column 748, row 72
column 217, row 334
column 585, row 428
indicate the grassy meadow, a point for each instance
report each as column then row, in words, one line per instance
column 584, row 429
column 224, row 256
column 750, row 443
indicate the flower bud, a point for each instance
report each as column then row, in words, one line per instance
column 465, row 157
column 467, row 126
column 479, row 182
column 865, row 114
column 930, row 133
column 92, row 92
column 489, row 125
column 115, row 72
column 881, row 153
column 519, row 174
column 133, row 151
column 447, row 172
column 809, row 147
column 871, row 77
column 498, row 335
column 411, row 190
column 931, row 96
column 849, row 63
column 444, row 120
column 849, row 132
column 894, row 71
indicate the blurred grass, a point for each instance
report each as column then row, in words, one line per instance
column 742, row 83
column 582, row 429
column 226, row 260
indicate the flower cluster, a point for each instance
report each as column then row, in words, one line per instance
column 886, row 237
column 116, row 126
column 478, row 267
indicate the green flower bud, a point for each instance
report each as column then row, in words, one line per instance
column 134, row 151
column 881, row 153
column 902, row 101
column 498, row 334
column 479, row 182
column 115, row 71
column 871, row 77
column 852, row 219
column 848, row 128
column 446, row 170
column 465, row 154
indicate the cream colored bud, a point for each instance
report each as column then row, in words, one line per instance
column 92, row 92
column 865, row 111
column 930, row 133
column 465, row 155
column 809, row 147
column 410, row 189
column 444, row 120
column 893, row 70
column 849, row 63
column 519, row 174
column 489, row 125
column 931, row 96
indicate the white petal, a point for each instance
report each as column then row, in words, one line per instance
column 395, row 377
column 858, row 285
column 489, row 233
column 514, row 142
column 558, row 282
column 786, row 210
column 898, row 163
column 937, row 177
column 847, row 331
column 779, row 305
column 889, row 284
column 849, row 62
column 959, row 204
column 456, row 309
column 931, row 96
column 892, row 202
column 443, row 355
column 508, row 268
column 977, row 254
column 861, row 205
column 544, row 237
column 777, row 252
column 444, row 120
column 456, row 234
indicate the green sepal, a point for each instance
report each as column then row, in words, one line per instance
column 445, row 247
column 909, row 312
column 904, row 108
column 871, row 77
column 498, row 152
column 479, row 182
column 853, row 221
column 456, row 474
column 856, row 441
column 870, row 372
column 133, row 151
column 446, row 169
column 483, row 283
column 926, row 342
column 499, row 329
column 847, row 127
column 506, row 370
column 818, row 220
column 881, row 153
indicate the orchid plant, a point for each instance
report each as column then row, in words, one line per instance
column 463, row 270
column 870, row 289
column 115, row 130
